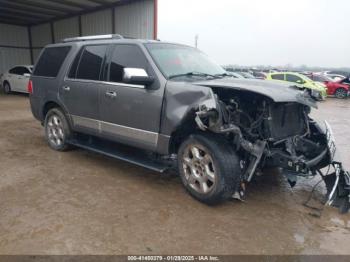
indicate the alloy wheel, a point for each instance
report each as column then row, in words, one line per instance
column 55, row 130
column 199, row 169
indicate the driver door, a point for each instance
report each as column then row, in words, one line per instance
column 130, row 113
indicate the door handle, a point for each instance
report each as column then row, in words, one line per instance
column 111, row 94
column 66, row 88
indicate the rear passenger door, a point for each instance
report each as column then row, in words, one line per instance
column 132, row 116
column 80, row 89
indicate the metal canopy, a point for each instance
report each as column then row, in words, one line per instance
column 33, row 12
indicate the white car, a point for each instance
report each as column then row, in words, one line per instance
column 335, row 77
column 16, row 79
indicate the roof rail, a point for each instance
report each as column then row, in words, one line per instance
column 92, row 37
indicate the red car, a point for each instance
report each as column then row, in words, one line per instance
column 340, row 89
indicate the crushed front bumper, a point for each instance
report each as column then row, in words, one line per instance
column 338, row 182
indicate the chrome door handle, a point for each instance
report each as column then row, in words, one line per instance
column 111, row 94
column 66, row 88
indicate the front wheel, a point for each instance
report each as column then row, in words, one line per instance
column 57, row 130
column 209, row 168
column 7, row 88
column 341, row 93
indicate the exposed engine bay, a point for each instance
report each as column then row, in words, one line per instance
column 266, row 133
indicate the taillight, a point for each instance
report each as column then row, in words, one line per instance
column 30, row 87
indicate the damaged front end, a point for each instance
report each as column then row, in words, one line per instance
column 266, row 133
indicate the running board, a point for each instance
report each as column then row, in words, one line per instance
column 120, row 152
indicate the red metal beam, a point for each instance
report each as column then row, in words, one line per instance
column 155, row 22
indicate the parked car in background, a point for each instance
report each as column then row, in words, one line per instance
column 235, row 75
column 246, row 75
column 319, row 78
column 340, row 88
column 334, row 76
column 16, row 79
column 259, row 75
column 301, row 80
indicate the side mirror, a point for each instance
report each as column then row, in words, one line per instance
column 137, row 76
column 26, row 75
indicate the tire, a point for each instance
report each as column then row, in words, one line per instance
column 341, row 93
column 57, row 130
column 209, row 168
column 7, row 88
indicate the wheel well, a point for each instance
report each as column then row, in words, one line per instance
column 6, row 82
column 48, row 106
column 340, row 88
column 182, row 132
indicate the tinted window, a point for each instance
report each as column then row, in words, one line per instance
column 51, row 61
column 19, row 70
column 125, row 56
column 278, row 76
column 91, row 62
column 293, row 78
column 346, row 81
column 74, row 66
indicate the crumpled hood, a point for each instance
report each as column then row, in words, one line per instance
column 278, row 92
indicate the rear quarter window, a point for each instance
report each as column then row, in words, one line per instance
column 51, row 60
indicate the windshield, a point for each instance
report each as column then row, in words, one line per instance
column 176, row 60
column 306, row 78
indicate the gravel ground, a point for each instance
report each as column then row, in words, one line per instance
column 83, row 203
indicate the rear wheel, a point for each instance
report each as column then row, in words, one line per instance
column 209, row 168
column 341, row 93
column 57, row 130
column 7, row 88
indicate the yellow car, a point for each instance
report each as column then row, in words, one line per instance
column 299, row 79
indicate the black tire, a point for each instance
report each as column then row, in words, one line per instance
column 7, row 88
column 57, row 130
column 341, row 93
column 225, row 164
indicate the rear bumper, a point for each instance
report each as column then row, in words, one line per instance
column 35, row 107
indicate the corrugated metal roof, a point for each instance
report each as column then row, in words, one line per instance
column 33, row 12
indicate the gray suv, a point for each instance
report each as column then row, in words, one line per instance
column 163, row 105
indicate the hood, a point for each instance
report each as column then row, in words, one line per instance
column 278, row 92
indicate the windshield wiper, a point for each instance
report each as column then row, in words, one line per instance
column 192, row 74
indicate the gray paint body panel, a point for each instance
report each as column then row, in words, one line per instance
column 141, row 117
column 278, row 92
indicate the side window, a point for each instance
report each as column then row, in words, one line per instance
column 23, row 70
column 125, row 56
column 51, row 60
column 277, row 76
column 346, row 81
column 293, row 78
column 15, row 71
column 73, row 69
column 91, row 62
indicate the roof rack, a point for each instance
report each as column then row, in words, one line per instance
column 93, row 37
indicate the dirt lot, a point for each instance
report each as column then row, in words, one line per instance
column 83, row 203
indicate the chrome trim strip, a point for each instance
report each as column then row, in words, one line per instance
column 129, row 132
column 145, row 137
column 104, row 82
column 85, row 122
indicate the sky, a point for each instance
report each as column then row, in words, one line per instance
column 261, row 32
